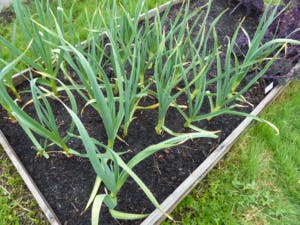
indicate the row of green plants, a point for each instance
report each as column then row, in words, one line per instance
column 79, row 10
column 180, row 65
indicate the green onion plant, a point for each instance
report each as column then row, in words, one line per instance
column 41, row 55
column 232, row 71
column 113, row 172
column 168, row 60
column 46, row 125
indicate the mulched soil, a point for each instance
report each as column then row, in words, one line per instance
column 67, row 182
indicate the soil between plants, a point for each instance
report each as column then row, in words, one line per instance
column 67, row 182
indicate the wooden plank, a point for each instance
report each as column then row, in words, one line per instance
column 29, row 182
column 156, row 217
column 153, row 12
column 20, row 77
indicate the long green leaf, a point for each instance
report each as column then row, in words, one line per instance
column 126, row 216
column 97, row 208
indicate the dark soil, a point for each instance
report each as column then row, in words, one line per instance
column 6, row 16
column 67, row 182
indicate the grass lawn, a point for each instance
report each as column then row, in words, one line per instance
column 259, row 180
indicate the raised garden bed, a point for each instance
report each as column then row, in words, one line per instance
column 66, row 182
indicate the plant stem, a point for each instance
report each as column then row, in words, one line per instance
column 158, row 127
column 110, row 143
column 54, row 87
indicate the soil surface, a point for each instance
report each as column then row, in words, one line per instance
column 6, row 16
column 67, row 182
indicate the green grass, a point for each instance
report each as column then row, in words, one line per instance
column 16, row 203
column 259, row 181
